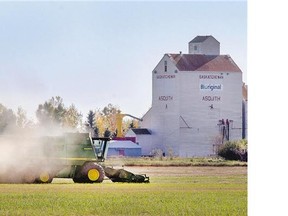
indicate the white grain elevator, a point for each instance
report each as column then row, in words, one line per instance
column 196, row 101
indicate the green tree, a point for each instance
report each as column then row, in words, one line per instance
column 53, row 112
column 107, row 133
column 22, row 120
column 110, row 110
column 7, row 119
column 91, row 119
column 96, row 132
column 71, row 117
column 91, row 124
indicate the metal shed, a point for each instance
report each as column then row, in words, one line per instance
column 124, row 148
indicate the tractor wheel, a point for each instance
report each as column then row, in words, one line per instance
column 90, row 173
column 44, row 177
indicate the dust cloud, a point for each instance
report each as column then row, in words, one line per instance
column 24, row 155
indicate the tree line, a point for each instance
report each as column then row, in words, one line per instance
column 53, row 113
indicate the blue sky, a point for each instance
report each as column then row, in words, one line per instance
column 94, row 53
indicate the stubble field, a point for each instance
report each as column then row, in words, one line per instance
column 171, row 191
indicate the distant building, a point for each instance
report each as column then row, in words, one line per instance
column 197, row 102
column 142, row 135
column 125, row 148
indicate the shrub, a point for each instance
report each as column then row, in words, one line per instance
column 157, row 153
column 234, row 150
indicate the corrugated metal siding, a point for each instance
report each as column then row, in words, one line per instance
column 124, row 148
column 145, row 141
column 124, row 152
column 201, row 118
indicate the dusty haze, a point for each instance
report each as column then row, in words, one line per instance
column 22, row 155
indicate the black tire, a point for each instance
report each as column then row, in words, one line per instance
column 90, row 172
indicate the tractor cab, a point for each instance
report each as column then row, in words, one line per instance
column 100, row 147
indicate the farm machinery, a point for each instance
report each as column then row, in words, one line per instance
column 121, row 175
column 72, row 155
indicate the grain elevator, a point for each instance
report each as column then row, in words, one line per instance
column 197, row 101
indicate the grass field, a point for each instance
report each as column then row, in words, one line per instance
column 171, row 191
column 175, row 161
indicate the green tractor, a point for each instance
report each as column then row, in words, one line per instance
column 73, row 155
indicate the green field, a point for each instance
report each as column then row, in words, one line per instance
column 212, row 191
